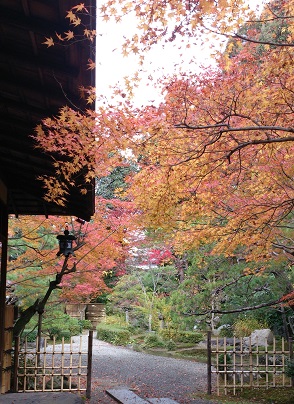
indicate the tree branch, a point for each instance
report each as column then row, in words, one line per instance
column 239, row 310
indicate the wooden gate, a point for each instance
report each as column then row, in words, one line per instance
column 55, row 367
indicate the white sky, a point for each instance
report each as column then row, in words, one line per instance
column 112, row 67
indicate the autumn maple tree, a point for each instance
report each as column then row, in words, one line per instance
column 98, row 249
column 217, row 153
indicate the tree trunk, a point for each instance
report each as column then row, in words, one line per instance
column 39, row 305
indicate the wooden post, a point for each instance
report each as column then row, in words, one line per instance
column 90, row 357
column 291, row 357
column 15, row 364
column 3, row 271
column 209, row 389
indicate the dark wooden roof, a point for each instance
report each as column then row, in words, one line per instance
column 35, row 81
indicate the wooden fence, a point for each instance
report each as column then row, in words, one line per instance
column 239, row 363
column 54, row 367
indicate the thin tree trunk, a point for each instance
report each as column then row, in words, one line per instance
column 39, row 305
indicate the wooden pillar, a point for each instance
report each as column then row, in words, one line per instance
column 209, row 383
column 3, row 271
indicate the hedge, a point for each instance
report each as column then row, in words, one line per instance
column 181, row 336
column 114, row 334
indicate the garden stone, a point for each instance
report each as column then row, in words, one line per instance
column 261, row 337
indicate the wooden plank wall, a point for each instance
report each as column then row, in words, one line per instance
column 8, row 335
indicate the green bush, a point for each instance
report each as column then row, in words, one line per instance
column 114, row 334
column 85, row 324
column 152, row 340
column 62, row 325
column 170, row 345
column 181, row 336
column 66, row 334
column 226, row 331
column 243, row 327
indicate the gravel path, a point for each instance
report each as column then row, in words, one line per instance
column 147, row 375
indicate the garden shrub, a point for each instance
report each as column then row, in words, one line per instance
column 226, row 331
column 114, row 334
column 66, row 334
column 85, row 324
column 152, row 340
column 61, row 326
column 191, row 337
column 243, row 327
column 170, row 345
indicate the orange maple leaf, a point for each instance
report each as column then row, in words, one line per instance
column 49, row 42
column 80, row 7
column 59, row 36
column 87, row 33
column 69, row 35
column 76, row 22
column 91, row 64
column 71, row 16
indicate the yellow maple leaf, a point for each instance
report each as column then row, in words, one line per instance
column 49, row 42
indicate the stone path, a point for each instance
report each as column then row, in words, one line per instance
column 147, row 375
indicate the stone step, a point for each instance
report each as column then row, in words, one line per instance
column 126, row 396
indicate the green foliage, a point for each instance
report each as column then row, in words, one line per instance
column 152, row 340
column 226, row 331
column 170, row 345
column 289, row 370
column 58, row 324
column 116, row 319
column 243, row 327
column 29, row 366
column 107, row 186
column 224, row 361
column 30, row 335
column 85, row 324
column 142, row 293
column 114, row 334
column 181, row 336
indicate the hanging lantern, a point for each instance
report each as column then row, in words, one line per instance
column 65, row 243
